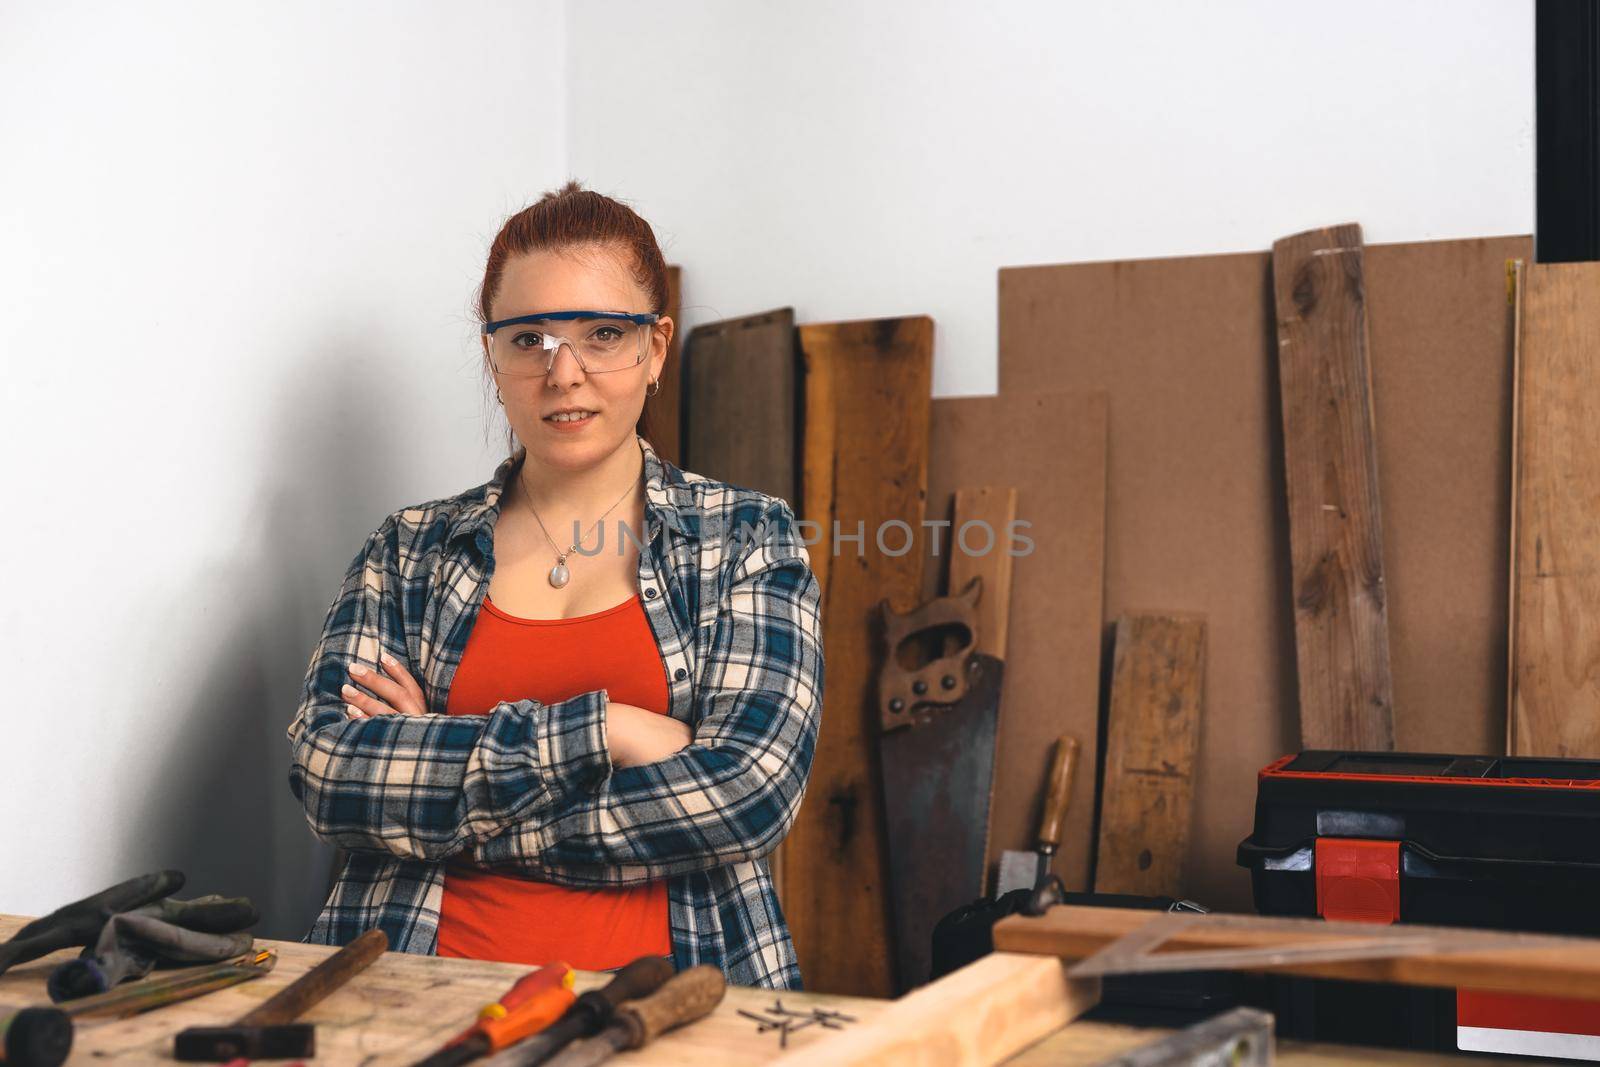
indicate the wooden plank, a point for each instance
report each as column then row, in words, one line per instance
column 1195, row 507
column 980, row 1015
column 867, row 390
column 1330, row 455
column 742, row 386
column 1555, row 657
column 667, row 407
column 1555, row 966
column 974, row 512
column 1051, row 446
column 1152, row 735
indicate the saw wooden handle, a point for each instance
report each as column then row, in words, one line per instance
column 1058, row 792
column 685, row 997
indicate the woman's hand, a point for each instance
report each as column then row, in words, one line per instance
column 637, row 736
column 399, row 692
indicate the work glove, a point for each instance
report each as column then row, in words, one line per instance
column 80, row 922
column 133, row 943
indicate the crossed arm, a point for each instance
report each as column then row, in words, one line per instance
column 532, row 787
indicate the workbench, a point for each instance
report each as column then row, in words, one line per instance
column 404, row 1006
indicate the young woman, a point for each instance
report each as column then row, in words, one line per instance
column 568, row 713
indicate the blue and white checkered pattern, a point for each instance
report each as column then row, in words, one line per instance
column 727, row 587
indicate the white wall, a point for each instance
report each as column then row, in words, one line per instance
column 238, row 244
column 863, row 160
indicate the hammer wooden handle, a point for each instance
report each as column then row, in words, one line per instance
column 1058, row 791
column 295, row 999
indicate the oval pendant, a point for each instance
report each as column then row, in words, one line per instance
column 559, row 575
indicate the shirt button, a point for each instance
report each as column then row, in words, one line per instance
column 649, row 590
column 680, row 674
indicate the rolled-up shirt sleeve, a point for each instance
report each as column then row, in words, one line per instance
column 425, row 786
column 733, row 793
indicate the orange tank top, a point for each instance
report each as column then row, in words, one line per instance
column 493, row 916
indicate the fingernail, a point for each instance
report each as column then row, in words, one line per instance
column 349, row 691
column 352, row 711
column 390, row 660
column 357, row 669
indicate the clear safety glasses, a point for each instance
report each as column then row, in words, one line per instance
column 526, row 346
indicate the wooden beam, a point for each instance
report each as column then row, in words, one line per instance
column 980, row 1015
column 1555, row 585
column 868, row 386
column 1152, row 735
column 1330, row 458
column 1559, row 967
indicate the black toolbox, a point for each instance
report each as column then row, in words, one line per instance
column 1474, row 841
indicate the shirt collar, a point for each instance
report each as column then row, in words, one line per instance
column 668, row 497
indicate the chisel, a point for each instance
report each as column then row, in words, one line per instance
column 1026, row 870
column 685, row 997
column 592, row 1012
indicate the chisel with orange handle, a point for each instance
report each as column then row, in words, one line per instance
column 592, row 1013
column 537, row 1000
column 685, row 997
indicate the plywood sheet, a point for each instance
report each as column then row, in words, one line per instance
column 1195, row 504
column 1555, row 657
column 1051, row 447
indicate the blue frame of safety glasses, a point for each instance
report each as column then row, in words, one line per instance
column 644, row 319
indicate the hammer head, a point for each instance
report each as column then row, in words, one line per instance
column 218, row 1044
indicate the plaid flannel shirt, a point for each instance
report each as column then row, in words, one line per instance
column 529, row 788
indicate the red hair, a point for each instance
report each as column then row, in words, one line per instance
column 569, row 217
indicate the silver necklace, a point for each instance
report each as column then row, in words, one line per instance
column 559, row 575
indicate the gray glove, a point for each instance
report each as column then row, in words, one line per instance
column 132, row 943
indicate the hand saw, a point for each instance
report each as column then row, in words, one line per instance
column 936, row 749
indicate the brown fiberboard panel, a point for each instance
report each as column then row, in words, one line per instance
column 1555, row 649
column 1331, row 461
column 1051, row 446
column 867, row 390
column 741, row 381
column 1158, row 679
column 1195, row 507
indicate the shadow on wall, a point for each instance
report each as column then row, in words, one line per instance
column 219, row 806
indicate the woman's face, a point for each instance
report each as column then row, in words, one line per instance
column 592, row 278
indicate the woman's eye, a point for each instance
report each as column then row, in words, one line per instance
column 608, row 333
column 528, row 340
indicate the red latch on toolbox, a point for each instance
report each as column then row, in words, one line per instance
column 1358, row 880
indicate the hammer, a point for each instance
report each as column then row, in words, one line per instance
column 269, row 1032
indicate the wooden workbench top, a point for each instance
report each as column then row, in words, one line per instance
column 404, row 1006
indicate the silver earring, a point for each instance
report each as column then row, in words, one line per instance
column 655, row 387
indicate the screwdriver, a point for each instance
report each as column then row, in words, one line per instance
column 537, row 999
column 685, row 997
column 592, row 1012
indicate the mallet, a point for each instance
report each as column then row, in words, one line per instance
column 269, row 1032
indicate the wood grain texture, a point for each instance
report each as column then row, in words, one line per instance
column 742, row 382
column 1152, row 736
column 867, row 390
column 1331, row 460
column 1195, row 509
column 1555, row 632
column 975, row 553
column 982, row 1014
column 1051, row 446
column 1557, row 967
column 405, row 1006
column 667, row 407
